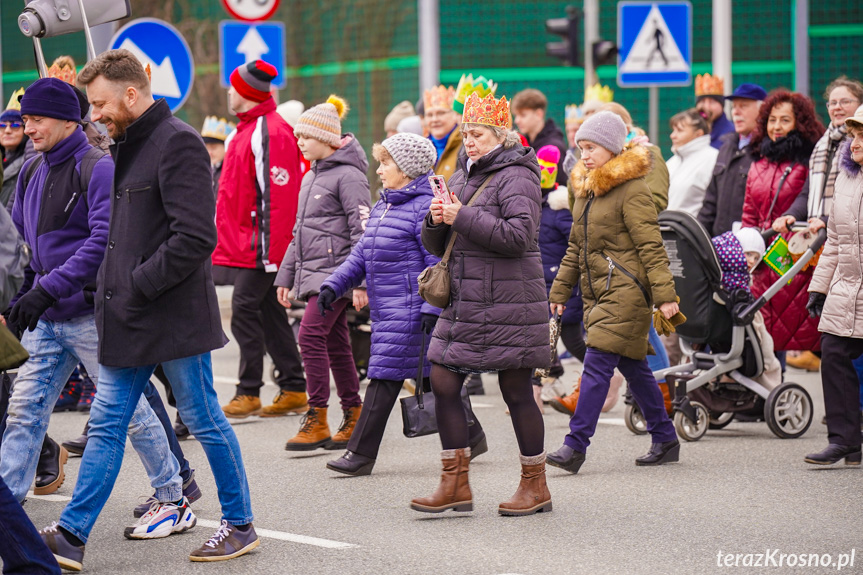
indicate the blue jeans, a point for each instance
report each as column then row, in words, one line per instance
column 55, row 348
column 23, row 552
column 858, row 365
column 118, row 391
column 151, row 394
column 660, row 360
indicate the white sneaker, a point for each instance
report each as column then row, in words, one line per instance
column 162, row 520
column 552, row 389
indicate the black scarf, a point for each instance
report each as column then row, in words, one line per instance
column 791, row 148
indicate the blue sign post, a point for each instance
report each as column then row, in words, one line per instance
column 243, row 42
column 655, row 44
column 160, row 45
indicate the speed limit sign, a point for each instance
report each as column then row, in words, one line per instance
column 251, row 10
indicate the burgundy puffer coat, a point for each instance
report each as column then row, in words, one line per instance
column 497, row 318
column 785, row 315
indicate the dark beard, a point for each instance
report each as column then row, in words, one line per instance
column 121, row 122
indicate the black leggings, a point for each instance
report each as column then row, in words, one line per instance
column 572, row 336
column 517, row 393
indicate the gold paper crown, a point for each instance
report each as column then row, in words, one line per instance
column 469, row 85
column 573, row 114
column 599, row 93
column 66, row 73
column 14, row 104
column 216, row 128
column 707, row 85
column 439, row 97
column 487, row 111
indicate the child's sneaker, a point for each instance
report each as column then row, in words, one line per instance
column 88, row 392
column 162, row 520
column 226, row 543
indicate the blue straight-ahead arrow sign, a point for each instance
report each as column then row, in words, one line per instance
column 243, row 42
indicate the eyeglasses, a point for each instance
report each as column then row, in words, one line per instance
column 13, row 125
column 844, row 103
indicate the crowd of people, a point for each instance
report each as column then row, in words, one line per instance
column 128, row 230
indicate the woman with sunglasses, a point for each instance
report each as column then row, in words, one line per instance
column 12, row 145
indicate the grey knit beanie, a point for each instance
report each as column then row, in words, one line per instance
column 605, row 129
column 413, row 154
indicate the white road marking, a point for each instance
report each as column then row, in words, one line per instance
column 612, row 421
column 51, row 497
column 292, row 537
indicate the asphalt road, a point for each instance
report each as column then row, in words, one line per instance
column 738, row 491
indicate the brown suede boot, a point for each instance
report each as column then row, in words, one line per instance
column 532, row 495
column 314, row 432
column 346, row 429
column 566, row 404
column 287, row 402
column 454, row 490
column 242, row 406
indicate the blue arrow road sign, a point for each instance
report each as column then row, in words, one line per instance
column 655, row 44
column 242, row 42
column 160, row 45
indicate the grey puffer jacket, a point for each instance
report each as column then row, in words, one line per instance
column 333, row 209
column 497, row 318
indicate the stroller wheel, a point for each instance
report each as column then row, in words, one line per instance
column 788, row 411
column 634, row 419
column 720, row 420
column 692, row 430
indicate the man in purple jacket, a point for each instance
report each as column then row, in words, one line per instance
column 61, row 210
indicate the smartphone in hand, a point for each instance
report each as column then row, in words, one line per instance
column 438, row 185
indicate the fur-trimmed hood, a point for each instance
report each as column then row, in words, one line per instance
column 847, row 163
column 635, row 161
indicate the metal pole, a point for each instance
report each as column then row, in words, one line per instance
column 40, row 58
column 591, row 35
column 801, row 46
column 429, row 38
column 722, row 42
column 653, row 106
column 2, row 95
column 91, row 51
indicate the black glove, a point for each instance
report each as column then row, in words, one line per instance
column 325, row 300
column 816, row 304
column 428, row 321
column 29, row 308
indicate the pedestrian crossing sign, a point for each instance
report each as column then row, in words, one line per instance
column 655, row 44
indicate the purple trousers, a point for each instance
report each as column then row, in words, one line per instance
column 325, row 344
column 595, row 380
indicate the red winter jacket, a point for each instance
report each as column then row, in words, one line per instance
column 258, row 191
column 785, row 315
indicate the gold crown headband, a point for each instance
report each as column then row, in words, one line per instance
column 707, row 85
column 469, row 85
column 487, row 111
column 439, row 97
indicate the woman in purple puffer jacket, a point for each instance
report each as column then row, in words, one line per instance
column 389, row 257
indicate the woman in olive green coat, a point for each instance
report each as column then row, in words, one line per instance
column 616, row 253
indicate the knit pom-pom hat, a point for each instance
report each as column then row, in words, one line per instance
column 323, row 122
column 252, row 81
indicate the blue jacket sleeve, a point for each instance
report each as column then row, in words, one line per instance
column 351, row 273
column 81, row 269
column 429, row 259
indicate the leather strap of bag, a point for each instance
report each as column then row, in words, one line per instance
column 419, row 388
column 452, row 238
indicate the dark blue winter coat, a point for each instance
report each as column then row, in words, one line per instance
column 390, row 256
column 554, row 230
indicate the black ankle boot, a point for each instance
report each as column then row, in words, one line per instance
column 667, row 452
column 833, row 453
column 352, row 464
column 76, row 446
column 566, row 458
column 49, row 471
column 180, row 429
column 478, row 445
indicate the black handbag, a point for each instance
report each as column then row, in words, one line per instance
column 418, row 410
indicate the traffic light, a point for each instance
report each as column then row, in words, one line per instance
column 47, row 18
column 604, row 53
column 567, row 28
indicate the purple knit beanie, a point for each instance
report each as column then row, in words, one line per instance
column 51, row 98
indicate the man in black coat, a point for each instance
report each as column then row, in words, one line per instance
column 155, row 304
column 529, row 108
column 723, row 201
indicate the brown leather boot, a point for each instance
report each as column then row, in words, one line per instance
column 314, row 433
column 566, row 404
column 454, row 490
column 242, row 406
column 346, row 429
column 287, row 402
column 532, row 495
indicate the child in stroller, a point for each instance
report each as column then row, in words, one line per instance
column 721, row 338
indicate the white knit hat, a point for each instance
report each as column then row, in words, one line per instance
column 750, row 240
column 413, row 154
column 323, row 122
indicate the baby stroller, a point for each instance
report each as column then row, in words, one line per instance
column 721, row 322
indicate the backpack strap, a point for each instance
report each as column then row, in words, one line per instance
column 31, row 169
column 88, row 162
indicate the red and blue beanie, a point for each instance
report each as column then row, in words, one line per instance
column 252, row 80
column 51, row 98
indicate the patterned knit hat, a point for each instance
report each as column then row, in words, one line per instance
column 548, row 158
column 252, row 80
column 605, row 129
column 323, row 122
column 413, row 154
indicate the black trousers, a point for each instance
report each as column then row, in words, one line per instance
column 841, row 388
column 260, row 325
column 381, row 396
